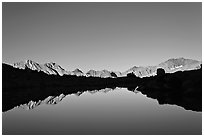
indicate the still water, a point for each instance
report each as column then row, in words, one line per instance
column 117, row 111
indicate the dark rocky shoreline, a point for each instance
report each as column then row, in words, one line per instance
column 181, row 88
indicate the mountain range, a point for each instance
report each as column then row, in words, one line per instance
column 170, row 66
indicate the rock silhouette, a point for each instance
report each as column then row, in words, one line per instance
column 160, row 72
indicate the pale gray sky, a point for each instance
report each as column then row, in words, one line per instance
column 113, row 36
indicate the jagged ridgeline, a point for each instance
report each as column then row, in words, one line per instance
column 170, row 66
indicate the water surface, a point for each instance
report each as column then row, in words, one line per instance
column 116, row 112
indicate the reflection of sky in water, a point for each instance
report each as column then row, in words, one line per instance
column 115, row 112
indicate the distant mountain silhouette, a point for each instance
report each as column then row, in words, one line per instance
column 48, row 68
column 53, row 67
column 173, row 65
column 77, row 72
column 141, row 71
column 170, row 66
column 102, row 74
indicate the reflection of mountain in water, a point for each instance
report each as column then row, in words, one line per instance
column 106, row 90
column 163, row 97
column 53, row 100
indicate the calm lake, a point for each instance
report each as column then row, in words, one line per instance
column 117, row 111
